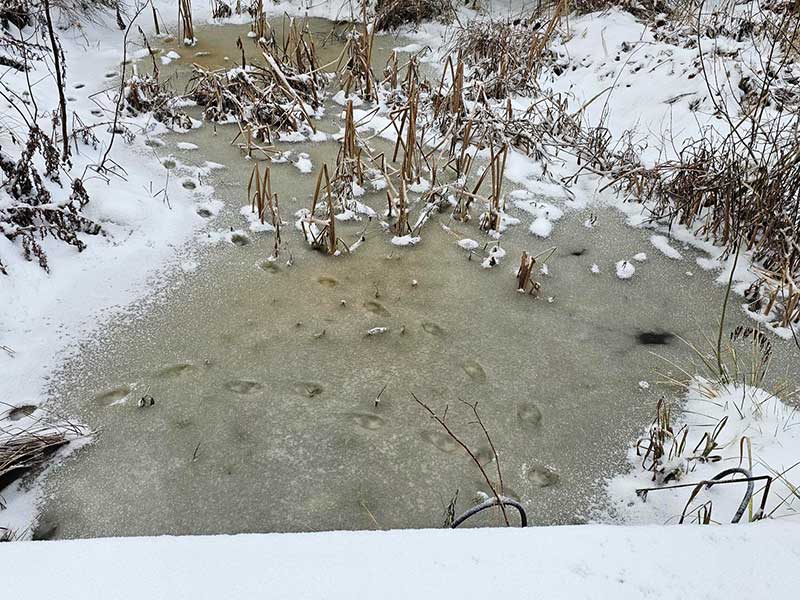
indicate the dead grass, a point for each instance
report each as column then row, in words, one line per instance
column 393, row 14
column 26, row 449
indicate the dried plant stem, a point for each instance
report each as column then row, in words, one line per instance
column 441, row 421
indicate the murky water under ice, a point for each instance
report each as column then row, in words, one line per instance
column 264, row 380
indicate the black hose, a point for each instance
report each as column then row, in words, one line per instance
column 747, row 495
column 493, row 501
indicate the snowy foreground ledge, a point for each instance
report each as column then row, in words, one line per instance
column 587, row 561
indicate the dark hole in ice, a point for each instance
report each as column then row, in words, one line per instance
column 45, row 530
column 79, row 86
column 580, row 252
column 204, row 212
column 654, row 338
column 188, row 184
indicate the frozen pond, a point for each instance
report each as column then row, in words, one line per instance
column 264, row 378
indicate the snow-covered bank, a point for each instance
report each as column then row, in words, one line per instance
column 717, row 427
column 146, row 215
column 594, row 561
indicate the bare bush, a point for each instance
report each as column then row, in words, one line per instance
column 32, row 214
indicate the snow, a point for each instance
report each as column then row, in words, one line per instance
column 541, row 227
column 662, row 244
column 405, row 240
column 624, row 269
column 468, row 244
column 254, row 222
column 496, row 254
column 558, row 563
column 342, row 99
column 771, row 433
column 303, row 163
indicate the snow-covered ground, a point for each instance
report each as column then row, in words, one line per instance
column 570, row 563
column 716, row 427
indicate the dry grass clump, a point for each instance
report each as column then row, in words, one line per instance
column 734, row 192
column 279, row 95
column 392, row 14
column 497, row 54
column 16, row 13
column 355, row 65
column 148, row 94
column 349, row 165
column 320, row 229
column 220, row 10
column 639, row 8
column 27, row 449
column 506, row 56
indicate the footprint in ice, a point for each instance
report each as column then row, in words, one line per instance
column 367, row 421
column 243, row 386
column 270, row 266
column 18, row 412
column 475, row 371
column 328, row 282
column 376, row 308
column 308, row 389
column 112, row 396
column 529, row 414
column 542, row 476
column 239, row 239
column 441, row 440
column 484, row 454
column 175, row 370
column 432, row 328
